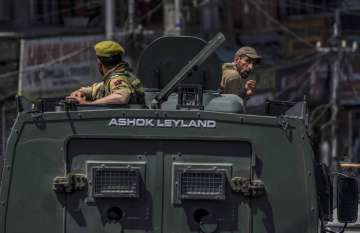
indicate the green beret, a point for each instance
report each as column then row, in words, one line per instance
column 108, row 48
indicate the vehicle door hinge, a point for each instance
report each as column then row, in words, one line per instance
column 69, row 183
column 248, row 187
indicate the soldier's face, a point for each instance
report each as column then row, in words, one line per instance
column 244, row 66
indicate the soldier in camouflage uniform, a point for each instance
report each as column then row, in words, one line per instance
column 234, row 75
column 119, row 85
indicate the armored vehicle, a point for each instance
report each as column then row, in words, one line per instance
column 190, row 160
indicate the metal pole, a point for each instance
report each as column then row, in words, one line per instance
column 177, row 15
column 109, row 19
column 131, row 12
column 3, row 129
column 168, row 13
column 334, row 91
column 334, row 105
column 350, row 135
column 21, row 67
column 172, row 17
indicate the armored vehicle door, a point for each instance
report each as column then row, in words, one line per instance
column 122, row 191
column 121, row 185
column 200, row 192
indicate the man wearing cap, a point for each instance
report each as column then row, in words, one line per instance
column 119, row 84
column 234, row 75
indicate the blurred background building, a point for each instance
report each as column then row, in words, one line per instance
column 45, row 50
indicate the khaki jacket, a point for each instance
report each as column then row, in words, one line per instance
column 120, row 80
column 231, row 81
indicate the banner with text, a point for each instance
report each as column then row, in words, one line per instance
column 53, row 67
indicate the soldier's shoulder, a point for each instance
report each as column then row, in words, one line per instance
column 125, row 74
column 119, row 76
column 118, row 81
column 229, row 71
column 228, row 66
column 97, row 85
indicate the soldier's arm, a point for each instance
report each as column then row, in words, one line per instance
column 250, row 86
column 233, row 84
column 112, row 99
column 87, row 91
column 82, row 92
column 120, row 92
column 82, row 95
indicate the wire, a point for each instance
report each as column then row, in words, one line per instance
column 294, row 4
column 150, row 12
column 303, row 85
column 295, row 62
column 301, row 77
column 340, row 174
column 327, row 124
column 311, row 5
column 355, row 92
column 9, row 74
column 68, row 56
column 43, row 65
column 256, row 4
column 57, row 12
column 324, row 108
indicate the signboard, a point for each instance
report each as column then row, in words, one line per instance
column 53, row 67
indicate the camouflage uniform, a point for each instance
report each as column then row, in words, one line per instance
column 120, row 80
column 231, row 82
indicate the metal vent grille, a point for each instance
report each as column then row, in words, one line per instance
column 202, row 185
column 116, row 182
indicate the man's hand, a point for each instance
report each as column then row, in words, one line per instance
column 250, row 86
column 76, row 98
column 77, row 94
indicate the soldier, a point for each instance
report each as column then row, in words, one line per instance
column 119, row 85
column 235, row 73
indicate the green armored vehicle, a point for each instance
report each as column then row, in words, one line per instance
column 191, row 160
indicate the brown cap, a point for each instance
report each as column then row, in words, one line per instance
column 248, row 51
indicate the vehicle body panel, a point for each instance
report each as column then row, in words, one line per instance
column 39, row 151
